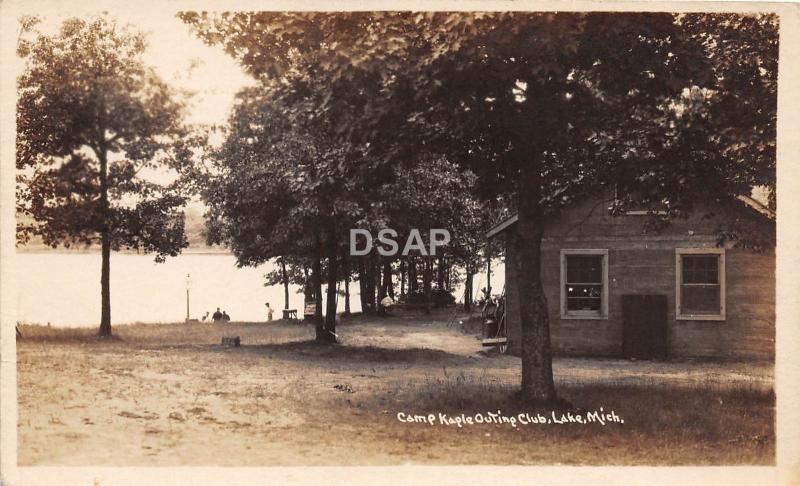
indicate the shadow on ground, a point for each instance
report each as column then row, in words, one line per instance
column 310, row 350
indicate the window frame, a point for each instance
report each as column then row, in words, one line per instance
column 587, row 315
column 681, row 316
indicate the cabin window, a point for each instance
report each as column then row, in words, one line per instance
column 700, row 284
column 584, row 284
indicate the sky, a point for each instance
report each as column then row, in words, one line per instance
column 178, row 56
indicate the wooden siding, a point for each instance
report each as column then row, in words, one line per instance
column 645, row 264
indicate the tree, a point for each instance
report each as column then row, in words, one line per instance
column 91, row 120
column 279, row 188
column 543, row 107
column 555, row 106
column 358, row 190
column 717, row 144
column 436, row 193
column 289, row 271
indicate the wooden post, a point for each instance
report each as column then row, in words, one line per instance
column 188, row 281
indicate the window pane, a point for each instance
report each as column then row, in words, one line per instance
column 585, row 269
column 583, row 305
column 583, row 291
column 700, row 299
column 700, row 269
column 583, row 297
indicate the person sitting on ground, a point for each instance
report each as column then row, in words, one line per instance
column 269, row 313
column 217, row 316
column 225, row 317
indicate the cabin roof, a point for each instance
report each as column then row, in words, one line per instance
column 760, row 207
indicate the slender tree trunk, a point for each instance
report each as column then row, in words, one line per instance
column 285, row 279
column 380, row 290
column 381, row 287
column 440, row 273
column 468, row 289
column 370, row 284
column 329, row 335
column 412, row 275
column 308, row 287
column 403, row 278
column 105, row 286
column 105, row 249
column 488, row 276
column 346, row 264
column 316, row 274
column 363, row 280
column 427, row 276
column 537, row 362
column 387, row 279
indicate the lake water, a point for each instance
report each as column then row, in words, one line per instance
column 63, row 288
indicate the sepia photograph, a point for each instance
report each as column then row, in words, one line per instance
column 392, row 237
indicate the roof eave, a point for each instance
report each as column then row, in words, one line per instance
column 501, row 226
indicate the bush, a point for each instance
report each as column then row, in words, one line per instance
column 439, row 297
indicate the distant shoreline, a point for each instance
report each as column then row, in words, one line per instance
column 63, row 327
column 90, row 251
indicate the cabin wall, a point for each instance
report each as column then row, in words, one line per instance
column 645, row 264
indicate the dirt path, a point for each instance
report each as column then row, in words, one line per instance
column 439, row 335
column 171, row 395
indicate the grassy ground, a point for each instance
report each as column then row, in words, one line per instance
column 171, row 395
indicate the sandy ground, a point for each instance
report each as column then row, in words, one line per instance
column 179, row 398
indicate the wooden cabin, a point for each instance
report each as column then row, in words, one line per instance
column 615, row 290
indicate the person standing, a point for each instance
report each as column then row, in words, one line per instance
column 217, row 316
column 269, row 313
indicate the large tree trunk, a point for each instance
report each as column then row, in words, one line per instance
column 105, row 249
column 329, row 335
column 537, row 361
column 285, row 279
